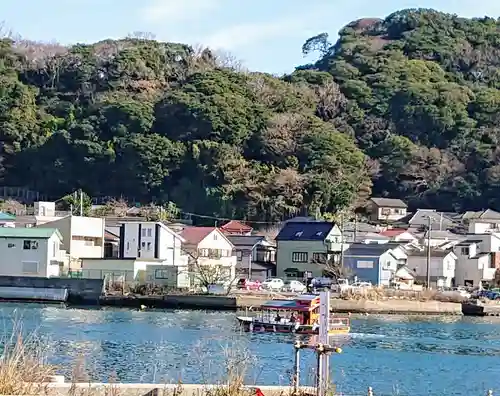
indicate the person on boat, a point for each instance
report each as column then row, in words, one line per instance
column 293, row 319
column 277, row 318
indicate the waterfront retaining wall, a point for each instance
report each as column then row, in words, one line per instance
column 173, row 301
column 81, row 291
column 93, row 389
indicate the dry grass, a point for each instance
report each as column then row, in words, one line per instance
column 23, row 368
column 380, row 294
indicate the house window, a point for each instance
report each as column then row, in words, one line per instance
column 215, row 237
column 239, row 255
column 11, row 245
column 150, row 232
column 149, row 246
column 54, row 249
column 465, row 251
column 299, row 257
column 364, row 264
column 128, row 245
column 143, row 245
column 449, row 266
column 30, row 245
column 319, row 258
column 203, row 252
column 143, row 232
column 161, row 274
column 30, row 267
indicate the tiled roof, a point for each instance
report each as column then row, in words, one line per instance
column 388, row 202
column 34, row 232
column 434, row 253
column 369, row 249
column 393, row 232
column 236, row 226
column 111, row 236
column 194, row 235
column 305, row 231
column 6, row 217
column 245, row 240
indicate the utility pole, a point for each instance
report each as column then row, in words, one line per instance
column 355, row 227
column 429, row 221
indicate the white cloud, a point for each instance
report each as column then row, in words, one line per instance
column 176, row 10
column 251, row 33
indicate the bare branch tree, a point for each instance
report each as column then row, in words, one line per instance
column 12, row 206
column 332, row 267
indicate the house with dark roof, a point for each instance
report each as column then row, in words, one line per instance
column 255, row 256
column 483, row 221
column 304, row 247
column 419, row 220
column 441, row 269
column 210, row 247
column 386, row 209
column 235, row 227
column 374, row 262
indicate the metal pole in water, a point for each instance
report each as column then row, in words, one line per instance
column 320, row 391
column 323, row 358
column 296, row 374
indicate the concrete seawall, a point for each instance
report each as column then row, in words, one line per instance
column 97, row 389
column 393, row 306
column 80, row 291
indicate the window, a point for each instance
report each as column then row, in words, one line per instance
column 54, row 249
column 30, row 245
column 128, row 245
column 364, row 264
column 319, row 258
column 11, row 245
column 299, row 234
column 143, row 232
column 215, row 237
column 239, row 255
column 465, row 251
column 162, row 274
column 30, row 267
column 143, row 245
column 203, row 252
column 150, row 232
column 299, row 257
column 149, row 246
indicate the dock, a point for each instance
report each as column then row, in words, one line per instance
column 476, row 308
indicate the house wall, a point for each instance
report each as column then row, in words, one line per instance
column 128, row 270
column 478, row 227
column 388, row 214
column 170, row 276
column 285, row 250
column 388, row 267
column 14, row 255
column 365, row 268
column 440, row 268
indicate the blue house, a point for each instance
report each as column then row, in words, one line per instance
column 372, row 262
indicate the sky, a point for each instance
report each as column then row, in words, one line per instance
column 265, row 35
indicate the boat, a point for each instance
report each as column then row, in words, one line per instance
column 299, row 315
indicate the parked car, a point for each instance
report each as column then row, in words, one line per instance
column 248, row 284
column 275, row 284
column 361, row 285
column 294, row 286
column 489, row 294
column 320, row 283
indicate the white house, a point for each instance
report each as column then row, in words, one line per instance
column 386, row 209
column 399, row 235
column 437, row 238
column 209, row 247
column 441, row 268
column 481, row 222
column 474, row 265
column 82, row 236
column 149, row 252
column 30, row 252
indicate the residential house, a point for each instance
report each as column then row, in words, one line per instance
column 441, row 266
column 386, row 209
column 355, row 231
column 372, row 262
column 482, row 222
column 399, row 235
column 111, row 244
column 236, row 228
column 419, row 220
column 149, row 252
column 41, row 213
column 405, row 275
column 30, row 252
column 474, row 264
column 82, row 237
column 255, row 256
column 435, row 238
column 304, row 247
column 209, row 247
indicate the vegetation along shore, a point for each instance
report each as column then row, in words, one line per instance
column 405, row 106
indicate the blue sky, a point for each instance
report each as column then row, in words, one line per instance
column 265, row 35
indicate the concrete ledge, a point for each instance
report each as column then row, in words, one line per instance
column 102, row 389
column 173, row 301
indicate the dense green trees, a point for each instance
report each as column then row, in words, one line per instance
column 407, row 107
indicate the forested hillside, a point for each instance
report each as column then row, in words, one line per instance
column 405, row 107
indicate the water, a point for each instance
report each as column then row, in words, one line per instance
column 396, row 355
